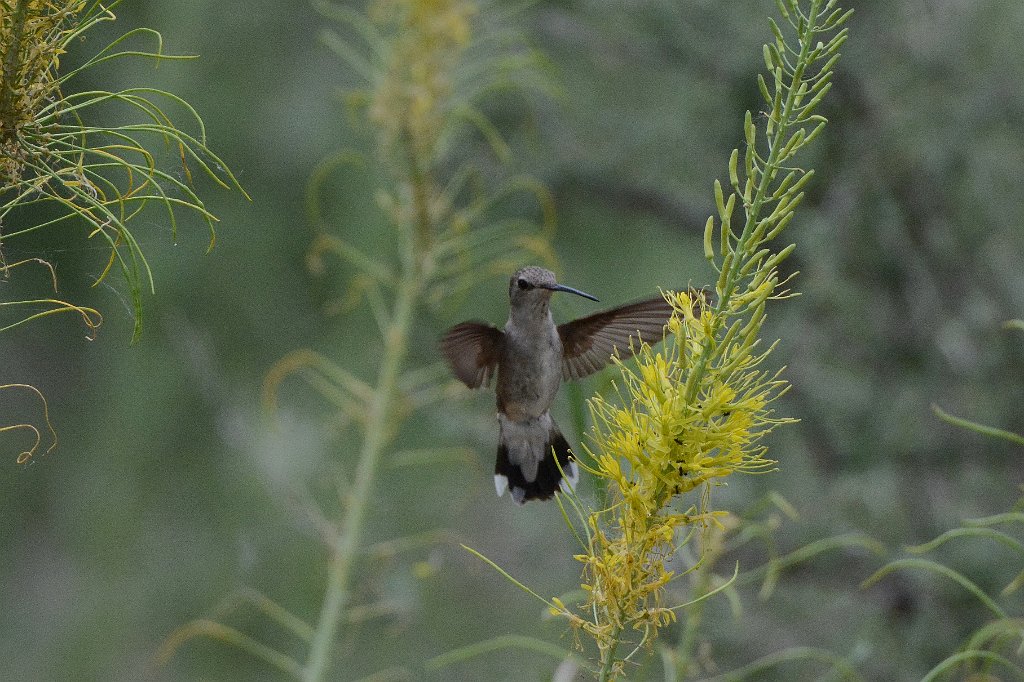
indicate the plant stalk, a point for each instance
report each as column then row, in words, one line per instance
column 344, row 552
column 609, row 657
column 396, row 345
column 771, row 167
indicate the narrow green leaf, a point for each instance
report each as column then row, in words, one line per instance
column 232, row 637
column 507, row 576
column 951, row 663
column 502, row 643
column 976, row 427
column 939, row 569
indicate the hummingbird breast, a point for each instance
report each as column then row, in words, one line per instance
column 529, row 371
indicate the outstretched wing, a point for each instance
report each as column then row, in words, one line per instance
column 472, row 350
column 589, row 342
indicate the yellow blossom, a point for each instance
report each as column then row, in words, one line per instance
column 412, row 97
column 687, row 415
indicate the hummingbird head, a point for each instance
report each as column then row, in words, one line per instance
column 532, row 285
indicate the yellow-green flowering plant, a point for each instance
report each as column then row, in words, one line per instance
column 59, row 163
column 697, row 411
column 657, row 443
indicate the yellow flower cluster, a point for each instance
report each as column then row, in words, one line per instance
column 670, row 442
column 412, row 97
column 692, row 412
column 32, row 35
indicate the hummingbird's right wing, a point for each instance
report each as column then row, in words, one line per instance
column 472, row 350
column 589, row 342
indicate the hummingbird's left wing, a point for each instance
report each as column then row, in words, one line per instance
column 589, row 342
column 472, row 350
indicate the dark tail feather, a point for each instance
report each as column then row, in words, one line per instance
column 549, row 478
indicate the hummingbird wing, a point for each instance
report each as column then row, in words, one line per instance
column 589, row 342
column 472, row 350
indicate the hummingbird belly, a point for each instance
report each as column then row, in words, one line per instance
column 529, row 375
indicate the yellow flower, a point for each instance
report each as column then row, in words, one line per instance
column 691, row 413
column 413, row 96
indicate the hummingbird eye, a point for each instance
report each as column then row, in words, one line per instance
column 523, row 284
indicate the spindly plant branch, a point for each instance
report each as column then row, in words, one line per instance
column 53, row 151
column 396, row 339
column 787, row 118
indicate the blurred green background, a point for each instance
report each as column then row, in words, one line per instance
column 170, row 489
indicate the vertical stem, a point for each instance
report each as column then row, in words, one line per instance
column 396, row 341
column 771, row 166
column 347, row 544
column 608, row 661
column 420, row 180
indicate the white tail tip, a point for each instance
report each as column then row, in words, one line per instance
column 570, row 479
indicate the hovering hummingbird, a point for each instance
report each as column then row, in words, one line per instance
column 532, row 356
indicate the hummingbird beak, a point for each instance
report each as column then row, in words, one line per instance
column 562, row 287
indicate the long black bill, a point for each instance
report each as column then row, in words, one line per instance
column 562, row 287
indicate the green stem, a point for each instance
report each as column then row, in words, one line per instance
column 344, row 553
column 771, row 167
column 608, row 661
column 396, row 342
column 420, row 180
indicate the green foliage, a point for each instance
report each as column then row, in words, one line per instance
column 171, row 491
column 58, row 165
column 999, row 643
column 996, row 644
column 719, row 556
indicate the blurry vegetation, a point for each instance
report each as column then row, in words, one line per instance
column 997, row 645
column 424, row 77
column 169, row 492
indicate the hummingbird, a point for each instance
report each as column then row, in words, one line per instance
column 531, row 357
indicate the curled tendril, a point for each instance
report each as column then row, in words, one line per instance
column 25, row 456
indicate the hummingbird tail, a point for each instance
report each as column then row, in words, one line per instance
column 529, row 474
